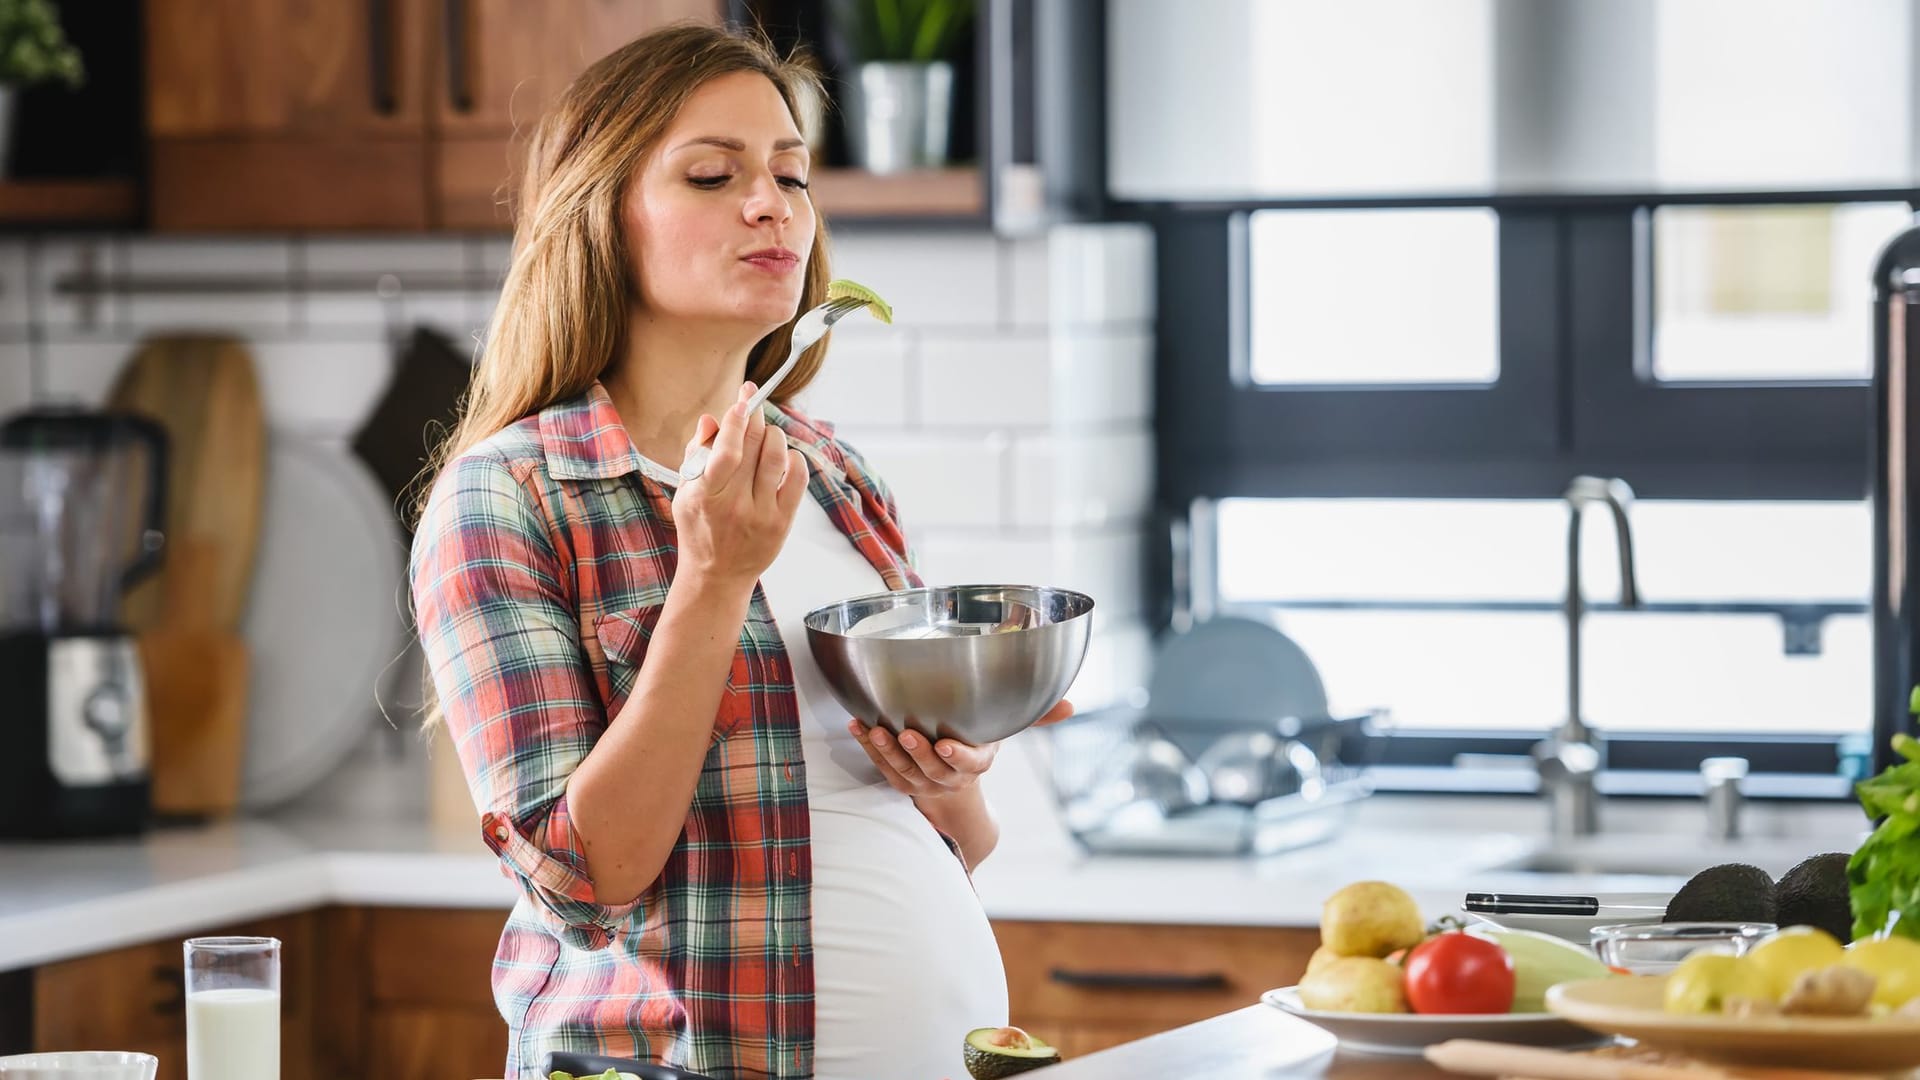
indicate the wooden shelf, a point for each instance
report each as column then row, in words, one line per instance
column 929, row 193
column 113, row 201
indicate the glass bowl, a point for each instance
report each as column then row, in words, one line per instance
column 1658, row 948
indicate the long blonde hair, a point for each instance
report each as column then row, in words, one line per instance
column 561, row 320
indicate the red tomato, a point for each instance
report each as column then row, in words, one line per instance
column 1459, row 973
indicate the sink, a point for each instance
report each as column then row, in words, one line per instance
column 1684, row 864
column 1650, row 856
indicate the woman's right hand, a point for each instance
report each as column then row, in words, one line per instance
column 733, row 519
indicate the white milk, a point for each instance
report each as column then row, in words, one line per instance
column 233, row 1035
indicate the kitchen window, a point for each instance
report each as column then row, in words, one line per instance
column 1448, row 610
column 1764, row 293
column 1317, row 318
column 1379, row 471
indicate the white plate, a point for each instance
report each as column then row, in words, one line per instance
column 324, row 617
column 1410, row 1033
column 1615, row 909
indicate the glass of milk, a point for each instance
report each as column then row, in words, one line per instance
column 233, row 1008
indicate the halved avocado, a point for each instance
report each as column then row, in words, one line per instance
column 992, row 1053
column 842, row 289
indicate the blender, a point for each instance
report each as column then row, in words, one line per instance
column 82, row 500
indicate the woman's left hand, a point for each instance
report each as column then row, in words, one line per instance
column 925, row 769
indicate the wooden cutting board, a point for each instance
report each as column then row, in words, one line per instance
column 203, row 391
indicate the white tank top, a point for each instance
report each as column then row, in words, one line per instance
column 905, row 962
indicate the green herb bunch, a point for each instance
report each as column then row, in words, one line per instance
column 33, row 48
column 917, row 31
column 1883, row 877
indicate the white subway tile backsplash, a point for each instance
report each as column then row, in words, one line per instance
column 985, row 381
column 321, row 387
column 1089, row 478
column 81, row 372
column 16, row 377
column 15, row 285
column 212, row 256
column 1102, row 377
column 865, row 380
column 1101, row 274
column 333, row 260
column 930, row 279
column 494, row 253
column 940, row 481
column 447, row 312
column 1027, row 262
column 384, row 255
column 266, row 260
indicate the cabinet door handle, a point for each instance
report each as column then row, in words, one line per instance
column 459, row 60
column 1140, row 980
column 380, row 48
column 171, row 982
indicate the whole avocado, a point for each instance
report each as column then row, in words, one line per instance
column 1730, row 892
column 1815, row 893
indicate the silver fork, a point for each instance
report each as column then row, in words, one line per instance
column 810, row 328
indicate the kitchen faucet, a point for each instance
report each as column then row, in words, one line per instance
column 1568, row 761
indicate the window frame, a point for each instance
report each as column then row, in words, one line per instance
column 1574, row 395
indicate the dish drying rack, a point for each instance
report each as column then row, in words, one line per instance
column 1319, row 811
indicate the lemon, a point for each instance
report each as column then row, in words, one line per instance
column 1894, row 963
column 1783, row 957
column 1705, row 981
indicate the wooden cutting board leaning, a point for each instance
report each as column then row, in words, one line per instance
column 203, row 390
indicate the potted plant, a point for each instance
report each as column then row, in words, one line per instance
column 33, row 49
column 900, row 96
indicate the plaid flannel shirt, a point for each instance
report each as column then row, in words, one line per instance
column 538, row 574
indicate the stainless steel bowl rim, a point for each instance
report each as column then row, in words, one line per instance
column 817, row 615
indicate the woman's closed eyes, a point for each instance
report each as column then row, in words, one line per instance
column 715, row 183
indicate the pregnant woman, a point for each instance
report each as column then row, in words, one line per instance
column 718, row 868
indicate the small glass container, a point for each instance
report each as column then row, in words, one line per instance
column 1658, row 948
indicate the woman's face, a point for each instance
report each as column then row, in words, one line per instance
column 718, row 219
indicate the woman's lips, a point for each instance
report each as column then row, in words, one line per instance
column 773, row 262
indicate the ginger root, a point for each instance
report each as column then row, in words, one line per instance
column 1829, row 991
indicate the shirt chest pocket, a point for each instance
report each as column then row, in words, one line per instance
column 625, row 638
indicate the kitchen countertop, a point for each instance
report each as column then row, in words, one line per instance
column 1258, row 1042
column 70, row 899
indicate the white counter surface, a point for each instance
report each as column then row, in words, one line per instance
column 64, row 900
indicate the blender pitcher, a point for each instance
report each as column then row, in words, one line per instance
column 82, row 497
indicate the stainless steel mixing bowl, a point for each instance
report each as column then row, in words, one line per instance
column 975, row 663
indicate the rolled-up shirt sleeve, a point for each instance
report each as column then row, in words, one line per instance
column 502, row 643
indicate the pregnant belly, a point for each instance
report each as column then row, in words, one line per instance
column 905, row 962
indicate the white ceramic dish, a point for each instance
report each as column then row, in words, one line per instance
column 79, row 1065
column 1615, row 909
column 1410, row 1033
column 325, row 619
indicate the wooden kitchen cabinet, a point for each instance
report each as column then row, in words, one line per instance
column 387, row 114
column 501, row 64
column 286, row 114
column 429, row 993
column 1088, row 986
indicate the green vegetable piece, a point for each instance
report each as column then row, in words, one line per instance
column 842, row 288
